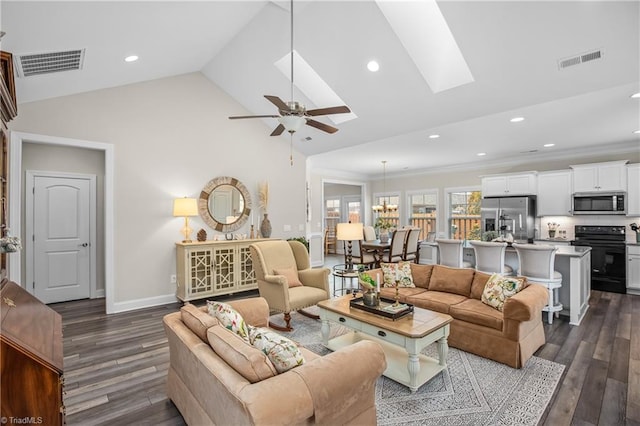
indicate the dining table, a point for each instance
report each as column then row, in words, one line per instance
column 377, row 247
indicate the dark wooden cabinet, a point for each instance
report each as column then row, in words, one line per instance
column 32, row 360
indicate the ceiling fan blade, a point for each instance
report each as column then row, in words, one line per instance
column 253, row 116
column 321, row 126
column 277, row 131
column 277, row 102
column 331, row 110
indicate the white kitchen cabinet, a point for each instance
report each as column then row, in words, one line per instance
column 509, row 184
column 633, row 269
column 633, row 189
column 554, row 193
column 600, row 177
column 213, row 268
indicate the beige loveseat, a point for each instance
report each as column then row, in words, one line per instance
column 510, row 337
column 235, row 385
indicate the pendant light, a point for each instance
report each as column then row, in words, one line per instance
column 384, row 208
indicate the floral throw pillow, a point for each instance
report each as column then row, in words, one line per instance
column 283, row 353
column 401, row 272
column 499, row 288
column 229, row 318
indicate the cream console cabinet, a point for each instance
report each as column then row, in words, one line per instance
column 509, row 185
column 213, row 268
column 600, row 177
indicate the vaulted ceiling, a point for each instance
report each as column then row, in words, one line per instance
column 513, row 52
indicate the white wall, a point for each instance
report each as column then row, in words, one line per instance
column 170, row 137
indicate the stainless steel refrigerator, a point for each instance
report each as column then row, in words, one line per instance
column 510, row 216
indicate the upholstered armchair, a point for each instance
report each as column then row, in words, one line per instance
column 286, row 279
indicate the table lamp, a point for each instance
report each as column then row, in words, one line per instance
column 349, row 232
column 185, row 207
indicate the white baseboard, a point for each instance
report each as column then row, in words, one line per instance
column 99, row 294
column 147, row 302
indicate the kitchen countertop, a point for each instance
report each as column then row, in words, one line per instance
column 568, row 251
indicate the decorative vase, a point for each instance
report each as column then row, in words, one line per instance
column 369, row 298
column 384, row 237
column 552, row 233
column 265, row 226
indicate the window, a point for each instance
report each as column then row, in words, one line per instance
column 422, row 211
column 464, row 214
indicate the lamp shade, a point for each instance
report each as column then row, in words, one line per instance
column 185, row 207
column 350, row 231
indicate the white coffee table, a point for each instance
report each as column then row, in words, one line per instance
column 402, row 340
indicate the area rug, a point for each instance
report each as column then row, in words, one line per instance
column 471, row 391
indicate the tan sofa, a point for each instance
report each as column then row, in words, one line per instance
column 234, row 385
column 510, row 337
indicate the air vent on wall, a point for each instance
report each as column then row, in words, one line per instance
column 46, row 63
column 579, row 59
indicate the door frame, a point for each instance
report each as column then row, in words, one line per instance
column 365, row 205
column 15, row 186
column 29, row 246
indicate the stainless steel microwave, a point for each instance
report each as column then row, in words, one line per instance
column 600, row 203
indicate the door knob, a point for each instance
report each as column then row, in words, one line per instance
column 84, row 245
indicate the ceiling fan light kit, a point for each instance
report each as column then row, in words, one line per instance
column 293, row 115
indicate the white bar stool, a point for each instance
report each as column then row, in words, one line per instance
column 450, row 253
column 537, row 263
column 490, row 257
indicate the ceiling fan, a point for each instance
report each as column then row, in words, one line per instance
column 293, row 115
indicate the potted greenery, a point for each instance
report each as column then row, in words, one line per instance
column 383, row 226
column 303, row 240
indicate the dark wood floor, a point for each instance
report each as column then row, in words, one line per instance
column 115, row 365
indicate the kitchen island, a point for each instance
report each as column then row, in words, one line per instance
column 574, row 263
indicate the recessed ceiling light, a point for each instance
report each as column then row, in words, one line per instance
column 434, row 136
column 373, row 66
column 549, row 145
column 517, row 119
column 481, row 154
column 131, row 58
column 636, row 95
column 637, row 132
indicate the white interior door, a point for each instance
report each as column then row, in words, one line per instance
column 63, row 211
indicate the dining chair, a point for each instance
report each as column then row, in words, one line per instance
column 450, row 253
column 329, row 241
column 490, row 257
column 411, row 250
column 369, row 233
column 359, row 256
column 537, row 263
column 396, row 248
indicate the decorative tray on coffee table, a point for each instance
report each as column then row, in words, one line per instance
column 385, row 309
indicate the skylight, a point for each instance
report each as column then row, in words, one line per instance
column 425, row 35
column 313, row 86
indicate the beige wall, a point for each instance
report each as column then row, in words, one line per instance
column 170, row 137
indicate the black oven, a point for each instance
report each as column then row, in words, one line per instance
column 608, row 260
